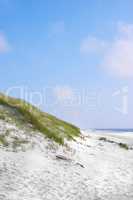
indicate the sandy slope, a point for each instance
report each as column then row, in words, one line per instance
column 95, row 170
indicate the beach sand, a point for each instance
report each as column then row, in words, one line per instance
column 91, row 169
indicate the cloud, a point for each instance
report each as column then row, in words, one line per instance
column 4, row 45
column 117, row 55
column 125, row 29
column 118, row 60
column 63, row 93
column 92, row 45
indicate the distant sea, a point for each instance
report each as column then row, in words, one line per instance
column 114, row 130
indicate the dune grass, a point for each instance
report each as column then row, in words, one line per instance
column 121, row 145
column 3, row 140
column 50, row 126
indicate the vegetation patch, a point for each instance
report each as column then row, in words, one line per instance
column 122, row 145
column 3, row 140
column 41, row 121
column 18, row 142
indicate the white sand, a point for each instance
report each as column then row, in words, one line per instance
column 37, row 174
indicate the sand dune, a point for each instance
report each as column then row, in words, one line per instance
column 92, row 169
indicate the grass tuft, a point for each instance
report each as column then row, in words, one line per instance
column 50, row 126
column 122, row 145
column 3, row 140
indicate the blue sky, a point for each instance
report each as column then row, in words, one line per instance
column 77, row 54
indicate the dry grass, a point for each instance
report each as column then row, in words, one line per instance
column 49, row 125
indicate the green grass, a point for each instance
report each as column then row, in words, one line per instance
column 103, row 139
column 18, row 142
column 3, row 140
column 50, row 126
column 121, row 145
column 124, row 146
